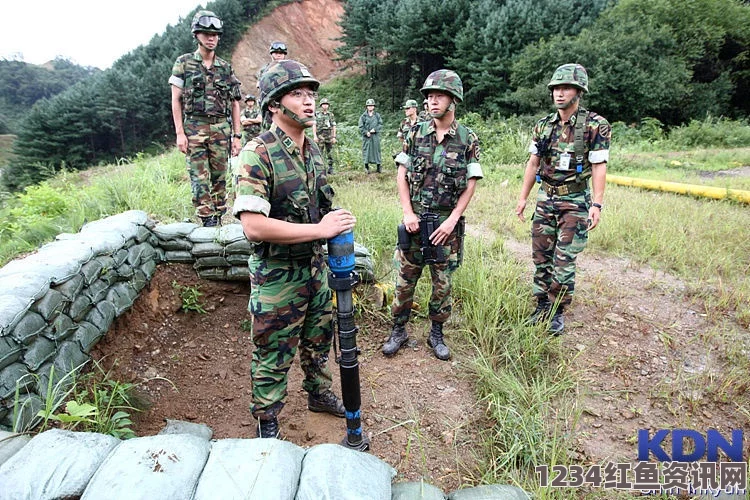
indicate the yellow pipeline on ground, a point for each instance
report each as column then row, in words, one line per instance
column 676, row 187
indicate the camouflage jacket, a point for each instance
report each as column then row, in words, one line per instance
column 277, row 179
column 404, row 127
column 247, row 113
column 552, row 138
column 438, row 173
column 205, row 91
column 324, row 123
column 424, row 116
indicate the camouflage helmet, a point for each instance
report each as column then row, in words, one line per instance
column 281, row 77
column 277, row 47
column 205, row 21
column 410, row 103
column 250, row 97
column 570, row 74
column 446, row 81
column 324, row 101
column 370, row 102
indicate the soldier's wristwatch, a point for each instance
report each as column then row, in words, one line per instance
column 237, row 136
column 597, row 205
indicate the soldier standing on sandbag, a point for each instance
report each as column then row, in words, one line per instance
column 284, row 204
column 205, row 93
column 567, row 148
column 437, row 173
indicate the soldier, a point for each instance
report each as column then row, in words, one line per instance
column 324, row 131
column 288, row 213
column 278, row 52
column 424, row 115
column 433, row 226
column 567, row 148
column 370, row 125
column 204, row 92
column 410, row 110
column 250, row 119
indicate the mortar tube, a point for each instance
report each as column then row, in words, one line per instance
column 349, row 369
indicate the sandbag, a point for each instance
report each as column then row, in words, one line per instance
column 212, row 261
column 230, row 234
column 182, row 256
column 10, row 351
column 332, row 472
column 15, row 376
column 54, row 464
column 12, row 310
column 101, row 243
column 490, row 492
column 71, row 288
column 182, row 427
column 26, row 285
column 151, row 468
column 173, row 231
column 251, row 468
column 50, row 305
column 80, row 307
column 29, row 327
column 10, row 443
column 204, row 234
column 417, row 490
column 207, row 249
column 241, row 246
column 87, row 336
column 61, row 328
column 38, row 352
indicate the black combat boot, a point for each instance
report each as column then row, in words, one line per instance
column 326, row 402
column 398, row 338
column 269, row 428
column 380, row 168
column 367, row 168
column 435, row 340
column 557, row 325
column 541, row 313
column 330, row 168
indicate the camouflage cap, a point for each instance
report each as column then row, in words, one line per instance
column 570, row 74
column 370, row 102
column 281, row 77
column 444, row 80
column 324, row 101
column 205, row 21
column 410, row 103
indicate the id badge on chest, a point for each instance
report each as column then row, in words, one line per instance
column 564, row 163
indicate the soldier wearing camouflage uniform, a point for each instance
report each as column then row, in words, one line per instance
column 437, row 174
column 284, row 204
column 370, row 124
column 204, row 93
column 324, row 131
column 250, row 119
column 410, row 110
column 424, row 115
column 568, row 147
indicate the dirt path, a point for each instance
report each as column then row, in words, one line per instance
column 644, row 356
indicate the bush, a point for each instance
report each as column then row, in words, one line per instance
column 712, row 132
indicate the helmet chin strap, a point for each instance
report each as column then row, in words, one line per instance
column 201, row 43
column 568, row 104
column 305, row 122
column 449, row 108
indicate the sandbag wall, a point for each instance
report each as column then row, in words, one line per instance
column 57, row 303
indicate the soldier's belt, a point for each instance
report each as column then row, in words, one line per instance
column 563, row 189
column 208, row 118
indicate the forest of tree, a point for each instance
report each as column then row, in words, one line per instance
column 673, row 60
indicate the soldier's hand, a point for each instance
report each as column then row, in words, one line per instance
column 315, row 138
column 519, row 210
column 182, row 142
column 333, row 140
column 594, row 217
column 336, row 222
column 411, row 222
column 367, row 134
column 441, row 234
column 236, row 146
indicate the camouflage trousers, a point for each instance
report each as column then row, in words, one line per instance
column 208, row 152
column 409, row 265
column 559, row 232
column 291, row 307
column 326, row 149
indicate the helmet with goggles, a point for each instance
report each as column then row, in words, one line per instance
column 205, row 21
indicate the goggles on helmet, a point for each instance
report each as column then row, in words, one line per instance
column 278, row 47
column 209, row 22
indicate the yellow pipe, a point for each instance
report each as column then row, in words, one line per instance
column 676, row 187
